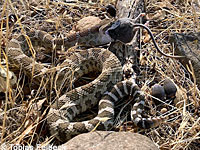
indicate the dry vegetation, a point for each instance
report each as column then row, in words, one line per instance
column 21, row 116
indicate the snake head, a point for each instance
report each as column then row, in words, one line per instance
column 121, row 30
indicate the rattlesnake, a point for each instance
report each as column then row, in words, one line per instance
column 81, row 62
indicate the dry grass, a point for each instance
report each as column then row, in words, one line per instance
column 22, row 111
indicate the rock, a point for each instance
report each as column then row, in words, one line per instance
column 188, row 45
column 170, row 88
column 158, row 92
column 107, row 140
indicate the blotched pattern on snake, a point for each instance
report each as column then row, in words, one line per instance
column 79, row 62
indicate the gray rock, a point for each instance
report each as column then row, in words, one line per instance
column 170, row 88
column 188, row 45
column 158, row 92
column 107, row 140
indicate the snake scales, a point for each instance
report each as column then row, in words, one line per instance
column 80, row 99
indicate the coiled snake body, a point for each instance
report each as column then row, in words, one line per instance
column 82, row 98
